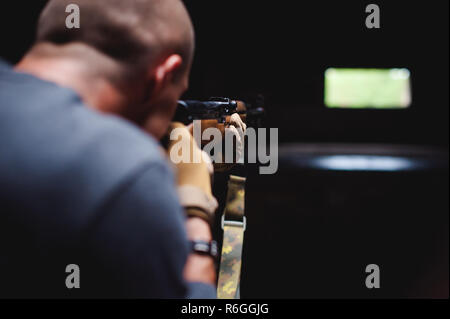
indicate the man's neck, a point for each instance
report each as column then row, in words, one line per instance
column 47, row 64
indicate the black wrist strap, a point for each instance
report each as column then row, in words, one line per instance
column 204, row 248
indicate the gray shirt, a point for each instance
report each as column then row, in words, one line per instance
column 84, row 188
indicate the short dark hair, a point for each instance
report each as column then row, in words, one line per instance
column 131, row 32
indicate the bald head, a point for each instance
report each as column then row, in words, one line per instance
column 129, row 57
column 134, row 33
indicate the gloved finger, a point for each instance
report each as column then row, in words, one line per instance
column 236, row 121
column 239, row 141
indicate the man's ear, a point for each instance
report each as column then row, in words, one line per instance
column 165, row 71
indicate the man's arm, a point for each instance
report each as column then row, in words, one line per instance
column 199, row 268
column 194, row 190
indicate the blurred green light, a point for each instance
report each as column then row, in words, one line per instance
column 367, row 88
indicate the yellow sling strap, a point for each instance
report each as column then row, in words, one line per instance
column 233, row 225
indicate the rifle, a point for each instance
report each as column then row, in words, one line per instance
column 216, row 112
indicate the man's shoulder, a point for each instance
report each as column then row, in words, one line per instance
column 54, row 145
column 38, row 111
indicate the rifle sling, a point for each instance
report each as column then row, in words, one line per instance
column 233, row 224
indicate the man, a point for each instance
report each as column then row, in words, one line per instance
column 81, row 180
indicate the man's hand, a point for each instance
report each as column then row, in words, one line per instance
column 238, row 128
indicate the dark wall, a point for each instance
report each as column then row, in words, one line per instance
column 311, row 233
column 282, row 50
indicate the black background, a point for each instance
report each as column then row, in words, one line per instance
column 311, row 233
column 281, row 50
